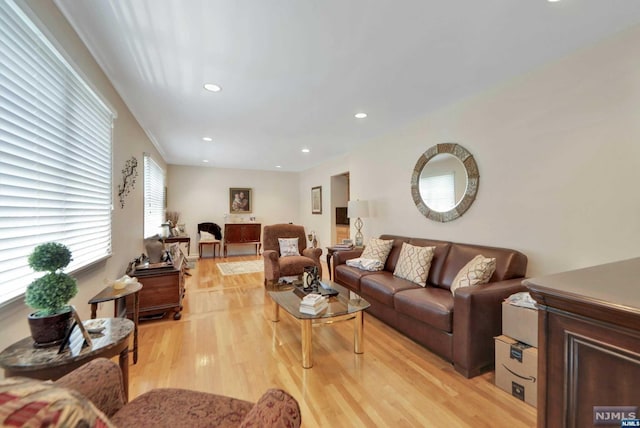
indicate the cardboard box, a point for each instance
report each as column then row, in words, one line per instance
column 517, row 369
column 520, row 323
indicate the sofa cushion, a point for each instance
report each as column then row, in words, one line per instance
column 34, row 403
column 288, row 247
column 509, row 263
column 377, row 249
column 439, row 255
column 293, row 265
column 477, row 271
column 381, row 286
column 350, row 276
column 182, row 408
column 431, row 305
column 414, row 263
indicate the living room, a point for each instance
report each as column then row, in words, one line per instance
column 556, row 146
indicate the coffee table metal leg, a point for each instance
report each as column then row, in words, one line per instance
column 275, row 317
column 307, row 361
column 358, row 328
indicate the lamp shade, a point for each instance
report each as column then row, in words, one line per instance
column 358, row 209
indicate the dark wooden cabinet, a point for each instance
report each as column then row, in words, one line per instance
column 242, row 233
column 589, row 343
column 162, row 289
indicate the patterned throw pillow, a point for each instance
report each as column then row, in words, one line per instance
column 477, row 271
column 414, row 263
column 288, row 247
column 378, row 249
column 31, row 403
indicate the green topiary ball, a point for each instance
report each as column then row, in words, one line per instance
column 51, row 293
column 49, row 257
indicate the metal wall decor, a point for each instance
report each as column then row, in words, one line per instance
column 129, row 175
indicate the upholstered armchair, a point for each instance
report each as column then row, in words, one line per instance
column 93, row 395
column 277, row 266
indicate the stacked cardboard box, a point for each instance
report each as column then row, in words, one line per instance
column 517, row 353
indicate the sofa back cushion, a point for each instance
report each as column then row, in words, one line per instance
column 439, row 255
column 509, row 263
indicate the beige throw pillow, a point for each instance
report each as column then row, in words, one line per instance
column 378, row 249
column 288, row 247
column 414, row 263
column 477, row 271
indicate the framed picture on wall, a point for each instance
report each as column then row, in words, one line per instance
column 316, row 200
column 240, row 200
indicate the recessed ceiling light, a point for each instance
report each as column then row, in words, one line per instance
column 205, row 160
column 207, row 139
column 552, row 1
column 278, row 166
column 360, row 115
column 305, row 150
column 212, row 87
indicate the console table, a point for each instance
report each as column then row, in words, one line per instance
column 589, row 342
column 242, row 233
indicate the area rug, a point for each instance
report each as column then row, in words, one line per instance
column 238, row 268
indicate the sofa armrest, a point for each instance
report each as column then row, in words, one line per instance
column 276, row 408
column 340, row 257
column 313, row 253
column 477, row 319
column 271, row 265
column 100, row 381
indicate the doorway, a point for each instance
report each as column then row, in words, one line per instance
column 339, row 199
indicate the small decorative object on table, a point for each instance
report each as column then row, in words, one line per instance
column 313, row 304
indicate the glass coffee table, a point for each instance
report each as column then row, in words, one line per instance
column 344, row 306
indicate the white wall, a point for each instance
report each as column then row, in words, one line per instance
column 201, row 194
column 128, row 140
column 558, row 152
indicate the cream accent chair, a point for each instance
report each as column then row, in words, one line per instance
column 276, row 266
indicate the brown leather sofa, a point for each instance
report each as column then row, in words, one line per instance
column 460, row 329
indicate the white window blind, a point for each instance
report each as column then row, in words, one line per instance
column 153, row 197
column 439, row 192
column 55, row 156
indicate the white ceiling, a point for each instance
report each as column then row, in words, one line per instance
column 294, row 72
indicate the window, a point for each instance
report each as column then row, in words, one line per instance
column 438, row 191
column 153, row 197
column 55, row 156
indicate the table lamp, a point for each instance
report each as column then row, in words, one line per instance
column 358, row 209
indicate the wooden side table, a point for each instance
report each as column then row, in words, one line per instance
column 330, row 251
column 23, row 359
column 120, row 307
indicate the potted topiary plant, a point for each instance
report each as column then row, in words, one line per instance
column 49, row 295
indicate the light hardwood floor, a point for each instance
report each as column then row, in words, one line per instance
column 226, row 344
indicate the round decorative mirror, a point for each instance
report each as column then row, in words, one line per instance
column 444, row 182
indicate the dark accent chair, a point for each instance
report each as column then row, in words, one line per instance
column 213, row 229
column 276, row 266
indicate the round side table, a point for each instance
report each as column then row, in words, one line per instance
column 23, row 359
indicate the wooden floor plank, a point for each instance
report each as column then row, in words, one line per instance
column 226, row 343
